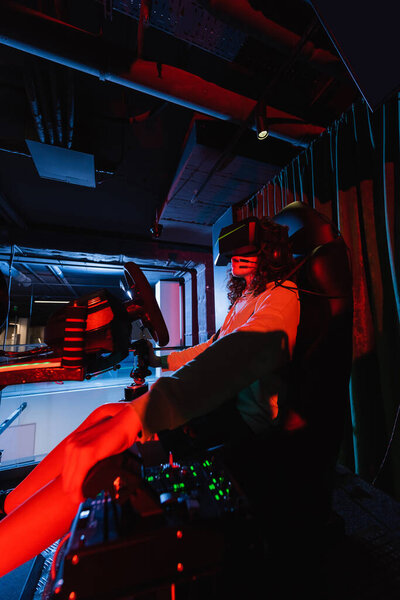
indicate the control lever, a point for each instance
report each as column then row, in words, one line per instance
column 139, row 374
column 141, row 351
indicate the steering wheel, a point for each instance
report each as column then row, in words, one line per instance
column 144, row 305
column 3, row 300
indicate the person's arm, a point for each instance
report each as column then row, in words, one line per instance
column 214, row 376
column 85, row 447
column 230, row 364
column 176, row 360
column 278, row 309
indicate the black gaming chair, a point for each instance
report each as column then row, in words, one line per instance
column 320, row 372
column 289, row 474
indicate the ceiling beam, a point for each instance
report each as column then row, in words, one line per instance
column 59, row 275
column 256, row 24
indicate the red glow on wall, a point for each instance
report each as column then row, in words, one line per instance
column 99, row 318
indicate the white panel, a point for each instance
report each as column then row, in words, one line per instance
column 169, row 298
column 221, row 274
column 56, row 415
column 18, row 441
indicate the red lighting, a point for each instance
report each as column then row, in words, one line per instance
column 23, row 366
column 75, row 559
column 179, row 567
column 72, row 596
column 77, row 349
column 99, row 318
column 179, row 534
column 172, row 591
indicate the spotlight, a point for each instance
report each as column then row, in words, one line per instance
column 261, row 122
column 156, row 230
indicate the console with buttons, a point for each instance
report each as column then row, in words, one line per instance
column 177, row 525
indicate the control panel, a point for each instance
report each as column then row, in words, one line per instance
column 179, row 523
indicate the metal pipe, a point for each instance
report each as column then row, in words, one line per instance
column 57, row 114
column 42, row 90
column 7, row 422
column 37, row 115
column 174, row 85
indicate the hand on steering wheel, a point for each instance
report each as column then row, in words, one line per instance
column 152, row 358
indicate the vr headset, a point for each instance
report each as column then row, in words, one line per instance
column 240, row 239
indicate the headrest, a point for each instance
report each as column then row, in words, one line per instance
column 325, row 277
column 307, row 227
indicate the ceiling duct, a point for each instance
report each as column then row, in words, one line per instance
column 26, row 32
column 222, row 26
column 253, row 22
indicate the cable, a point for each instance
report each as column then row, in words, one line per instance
column 388, row 446
column 56, row 553
column 313, row 293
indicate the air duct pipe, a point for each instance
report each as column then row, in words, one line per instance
column 27, row 33
column 241, row 14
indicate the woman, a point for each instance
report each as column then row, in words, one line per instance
column 244, row 363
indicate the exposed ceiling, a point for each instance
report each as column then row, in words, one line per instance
column 161, row 94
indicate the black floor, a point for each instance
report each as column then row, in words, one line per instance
column 360, row 561
column 365, row 562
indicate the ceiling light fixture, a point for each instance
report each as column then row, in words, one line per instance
column 261, row 122
column 51, row 301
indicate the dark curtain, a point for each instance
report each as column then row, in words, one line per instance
column 351, row 175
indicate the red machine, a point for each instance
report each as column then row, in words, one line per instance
column 90, row 335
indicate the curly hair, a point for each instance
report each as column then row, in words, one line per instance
column 275, row 260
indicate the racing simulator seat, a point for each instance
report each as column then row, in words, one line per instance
column 289, row 473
